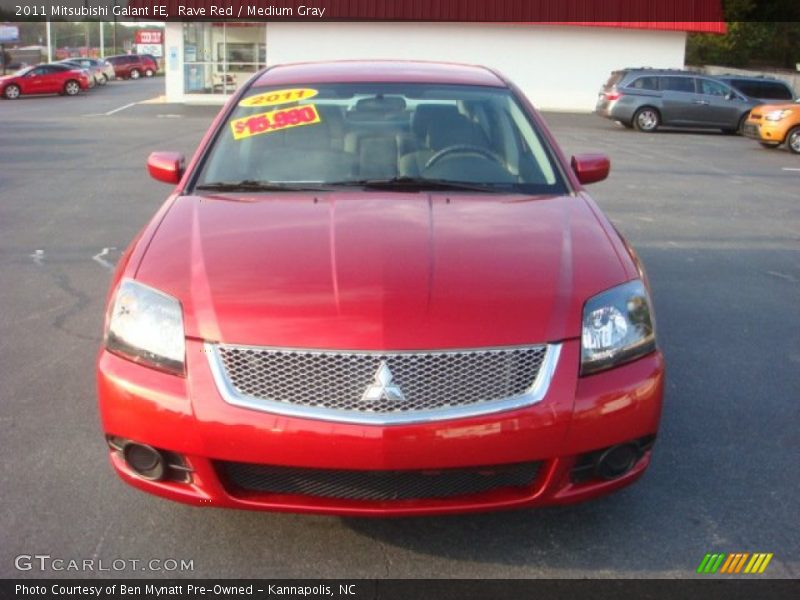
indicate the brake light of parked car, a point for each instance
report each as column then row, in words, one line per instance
column 613, row 95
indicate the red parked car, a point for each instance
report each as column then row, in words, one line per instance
column 150, row 64
column 131, row 66
column 44, row 79
column 379, row 288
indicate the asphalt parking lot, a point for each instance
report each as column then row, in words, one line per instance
column 715, row 218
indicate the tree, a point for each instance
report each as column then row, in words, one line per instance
column 759, row 34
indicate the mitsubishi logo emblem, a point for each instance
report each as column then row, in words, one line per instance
column 383, row 387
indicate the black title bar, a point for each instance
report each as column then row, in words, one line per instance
column 398, row 589
column 510, row 11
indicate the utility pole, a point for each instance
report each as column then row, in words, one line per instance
column 102, row 42
column 114, row 32
column 49, row 44
column 86, row 33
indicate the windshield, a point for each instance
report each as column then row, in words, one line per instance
column 22, row 71
column 415, row 136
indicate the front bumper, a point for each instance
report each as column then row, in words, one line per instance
column 765, row 131
column 188, row 417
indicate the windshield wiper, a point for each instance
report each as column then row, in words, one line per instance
column 394, row 183
column 422, row 184
column 249, row 185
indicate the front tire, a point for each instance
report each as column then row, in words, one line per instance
column 11, row 92
column 793, row 140
column 742, row 121
column 72, row 88
column 646, row 119
column 149, row 73
column 135, row 74
column 739, row 127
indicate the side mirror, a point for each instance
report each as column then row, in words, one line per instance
column 166, row 166
column 730, row 96
column 591, row 167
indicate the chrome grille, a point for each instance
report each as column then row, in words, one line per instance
column 332, row 385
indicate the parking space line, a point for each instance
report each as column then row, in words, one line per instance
column 121, row 108
column 98, row 258
column 791, row 169
column 111, row 112
column 37, row 257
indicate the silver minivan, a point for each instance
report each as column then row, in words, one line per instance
column 649, row 98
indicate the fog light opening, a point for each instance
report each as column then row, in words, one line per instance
column 145, row 461
column 617, row 461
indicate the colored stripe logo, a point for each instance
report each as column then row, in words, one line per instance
column 734, row 563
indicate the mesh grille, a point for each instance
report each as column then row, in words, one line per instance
column 410, row 382
column 377, row 485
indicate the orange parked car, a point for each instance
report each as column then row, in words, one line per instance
column 774, row 124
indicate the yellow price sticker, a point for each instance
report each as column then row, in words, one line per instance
column 276, row 120
column 279, row 97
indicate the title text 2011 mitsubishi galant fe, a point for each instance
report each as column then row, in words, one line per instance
column 379, row 289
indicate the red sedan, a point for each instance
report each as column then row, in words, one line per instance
column 379, row 289
column 44, row 79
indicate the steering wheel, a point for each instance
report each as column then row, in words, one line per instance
column 463, row 149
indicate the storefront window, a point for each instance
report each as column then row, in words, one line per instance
column 220, row 57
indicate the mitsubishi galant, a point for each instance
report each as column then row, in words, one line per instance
column 379, row 288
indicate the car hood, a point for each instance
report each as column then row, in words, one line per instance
column 765, row 108
column 381, row 271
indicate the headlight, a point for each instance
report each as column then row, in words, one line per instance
column 617, row 327
column 777, row 115
column 146, row 326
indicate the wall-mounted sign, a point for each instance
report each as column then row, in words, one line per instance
column 149, row 36
column 173, row 58
column 9, row 33
column 151, row 49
